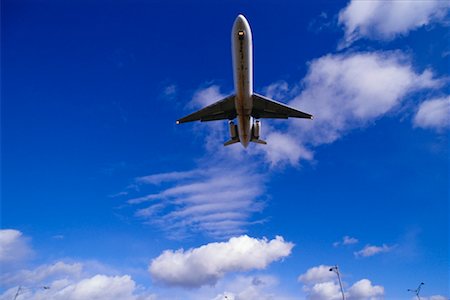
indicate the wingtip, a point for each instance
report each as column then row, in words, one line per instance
column 311, row 118
column 177, row 122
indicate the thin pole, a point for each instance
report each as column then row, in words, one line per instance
column 336, row 270
column 340, row 283
column 18, row 292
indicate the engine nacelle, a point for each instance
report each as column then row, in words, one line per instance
column 233, row 130
column 256, row 129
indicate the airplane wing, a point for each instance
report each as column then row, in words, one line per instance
column 264, row 107
column 221, row 110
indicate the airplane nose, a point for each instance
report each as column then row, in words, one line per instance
column 240, row 19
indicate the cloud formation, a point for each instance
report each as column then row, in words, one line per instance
column 42, row 273
column 251, row 288
column 369, row 250
column 321, row 284
column 433, row 114
column 14, row 247
column 386, row 20
column 317, row 275
column 99, row 287
column 346, row 240
column 190, row 202
column 344, row 92
column 207, row 264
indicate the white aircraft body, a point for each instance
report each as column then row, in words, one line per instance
column 245, row 105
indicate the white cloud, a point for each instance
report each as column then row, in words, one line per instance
column 346, row 240
column 434, row 114
column 387, row 19
column 364, row 289
column 284, row 148
column 435, row 297
column 14, row 247
column 168, row 177
column 317, row 274
column 191, row 201
column 328, row 290
column 345, row 92
column 42, row 273
column 99, row 287
column 207, row 264
column 321, row 284
column 251, row 288
column 206, row 96
column 369, row 250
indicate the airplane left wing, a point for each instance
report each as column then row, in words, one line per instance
column 221, row 110
column 264, row 107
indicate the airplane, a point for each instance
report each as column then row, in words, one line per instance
column 245, row 105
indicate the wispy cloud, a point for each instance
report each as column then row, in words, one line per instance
column 433, row 114
column 216, row 200
column 346, row 240
column 387, row 19
column 370, row 250
column 205, row 265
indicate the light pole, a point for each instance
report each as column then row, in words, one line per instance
column 335, row 269
column 417, row 291
column 21, row 289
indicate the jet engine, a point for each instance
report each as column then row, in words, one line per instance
column 233, row 130
column 256, row 129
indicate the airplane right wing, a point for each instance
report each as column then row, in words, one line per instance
column 264, row 107
column 221, row 110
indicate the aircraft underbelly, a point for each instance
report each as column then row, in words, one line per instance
column 243, row 83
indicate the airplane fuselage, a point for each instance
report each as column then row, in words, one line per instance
column 244, row 105
column 242, row 51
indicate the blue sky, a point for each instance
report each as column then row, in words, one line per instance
column 100, row 188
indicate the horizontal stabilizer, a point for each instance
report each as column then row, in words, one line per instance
column 258, row 141
column 232, row 141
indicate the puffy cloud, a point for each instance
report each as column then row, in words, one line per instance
column 207, row 264
column 98, row 287
column 317, row 274
column 387, row 19
column 14, row 247
column 344, row 92
column 284, row 148
column 251, row 288
column 328, row 290
column 350, row 90
column 434, row 114
column 369, row 250
column 364, row 289
column 321, row 284
column 346, row 240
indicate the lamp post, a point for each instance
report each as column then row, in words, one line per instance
column 417, row 291
column 22, row 288
column 335, row 269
